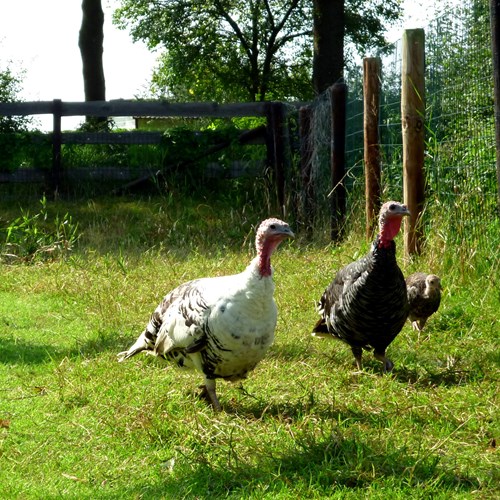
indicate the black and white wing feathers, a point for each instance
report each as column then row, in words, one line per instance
column 178, row 323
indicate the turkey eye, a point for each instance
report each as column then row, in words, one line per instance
column 273, row 226
column 392, row 207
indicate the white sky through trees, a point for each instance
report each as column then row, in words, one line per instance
column 39, row 42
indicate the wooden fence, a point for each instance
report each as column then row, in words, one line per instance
column 269, row 135
column 412, row 122
column 275, row 135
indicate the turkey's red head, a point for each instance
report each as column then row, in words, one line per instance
column 390, row 217
column 270, row 234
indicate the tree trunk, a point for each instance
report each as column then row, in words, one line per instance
column 90, row 41
column 328, row 33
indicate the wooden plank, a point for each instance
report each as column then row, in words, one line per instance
column 135, row 108
column 122, row 107
column 412, row 121
column 254, row 136
column 371, row 96
column 26, row 108
column 135, row 137
column 75, row 174
column 56, row 148
column 306, row 162
column 158, row 108
column 21, row 175
column 306, row 209
column 276, row 123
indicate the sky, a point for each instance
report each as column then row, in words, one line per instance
column 40, row 39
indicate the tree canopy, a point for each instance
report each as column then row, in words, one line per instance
column 10, row 88
column 246, row 50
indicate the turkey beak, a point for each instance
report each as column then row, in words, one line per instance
column 288, row 233
column 284, row 232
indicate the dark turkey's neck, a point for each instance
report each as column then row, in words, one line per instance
column 384, row 251
column 389, row 228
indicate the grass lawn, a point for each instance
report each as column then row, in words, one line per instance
column 75, row 423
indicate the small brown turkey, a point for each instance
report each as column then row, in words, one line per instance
column 424, row 297
column 366, row 304
column 221, row 326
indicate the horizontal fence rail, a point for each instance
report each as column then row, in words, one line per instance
column 121, row 107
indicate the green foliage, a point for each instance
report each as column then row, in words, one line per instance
column 234, row 50
column 12, row 139
column 31, row 238
column 187, row 152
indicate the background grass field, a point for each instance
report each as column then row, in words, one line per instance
column 74, row 423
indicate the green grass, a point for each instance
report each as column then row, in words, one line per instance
column 74, row 423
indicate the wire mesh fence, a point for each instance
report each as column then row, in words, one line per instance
column 460, row 129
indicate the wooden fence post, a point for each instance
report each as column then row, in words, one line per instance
column 276, row 149
column 495, row 45
column 371, row 93
column 338, row 193
column 56, row 146
column 412, row 122
column 306, row 209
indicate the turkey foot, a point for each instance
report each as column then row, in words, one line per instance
column 208, row 393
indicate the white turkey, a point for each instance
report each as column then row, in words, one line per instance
column 366, row 304
column 424, row 297
column 221, row 326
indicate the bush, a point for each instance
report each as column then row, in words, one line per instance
column 38, row 237
column 10, row 126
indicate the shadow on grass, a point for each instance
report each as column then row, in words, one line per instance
column 19, row 351
column 447, row 377
column 103, row 342
column 299, row 409
column 14, row 351
column 313, row 466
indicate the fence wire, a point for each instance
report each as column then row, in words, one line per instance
column 460, row 129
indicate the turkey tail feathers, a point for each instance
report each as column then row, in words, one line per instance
column 321, row 329
column 140, row 345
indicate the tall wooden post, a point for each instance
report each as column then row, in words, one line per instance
column 412, row 121
column 276, row 118
column 371, row 92
column 56, row 146
column 495, row 45
column 306, row 206
column 338, row 194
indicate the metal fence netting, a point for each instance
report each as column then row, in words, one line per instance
column 460, row 128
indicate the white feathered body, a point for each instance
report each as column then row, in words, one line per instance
column 222, row 326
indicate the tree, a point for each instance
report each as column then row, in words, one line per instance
column 245, row 50
column 12, row 140
column 328, row 32
column 10, row 87
column 90, row 41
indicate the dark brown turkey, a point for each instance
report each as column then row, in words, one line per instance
column 366, row 304
column 424, row 297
